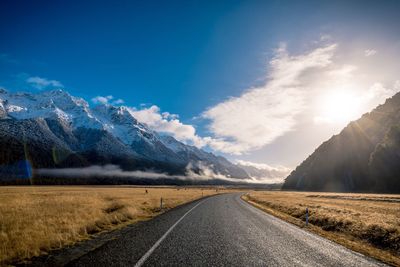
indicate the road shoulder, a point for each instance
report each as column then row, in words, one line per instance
column 356, row 246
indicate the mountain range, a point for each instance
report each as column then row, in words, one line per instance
column 363, row 157
column 53, row 129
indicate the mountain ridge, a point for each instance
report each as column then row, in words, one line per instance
column 53, row 129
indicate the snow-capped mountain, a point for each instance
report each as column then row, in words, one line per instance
column 55, row 104
column 55, row 129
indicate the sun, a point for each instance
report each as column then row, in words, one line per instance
column 338, row 106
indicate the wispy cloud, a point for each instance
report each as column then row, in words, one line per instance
column 262, row 114
column 42, row 83
column 370, row 52
column 379, row 93
column 257, row 117
column 109, row 99
column 262, row 166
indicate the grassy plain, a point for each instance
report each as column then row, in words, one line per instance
column 367, row 223
column 36, row 219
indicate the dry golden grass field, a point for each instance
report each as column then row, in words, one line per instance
column 367, row 223
column 36, row 219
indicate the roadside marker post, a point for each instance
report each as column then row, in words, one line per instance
column 306, row 216
column 161, row 204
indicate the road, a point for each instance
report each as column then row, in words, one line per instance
column 222, row 230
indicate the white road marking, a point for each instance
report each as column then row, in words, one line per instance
column 151, row 250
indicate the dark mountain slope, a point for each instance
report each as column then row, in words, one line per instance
column 362, row 158
column 384, row 163
column 32, row 141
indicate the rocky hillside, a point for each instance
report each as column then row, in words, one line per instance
column 364, row 157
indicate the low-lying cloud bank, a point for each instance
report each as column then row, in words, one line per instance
column 203, row 173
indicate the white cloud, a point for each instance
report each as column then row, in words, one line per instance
column 344, row 73
column 107, row 100
column 379, row 93
column 102, row 99
column 261, row 165
column 262, row 114
column 41, row 83
column 370, row 52
column 167, row 115
column 168, row 123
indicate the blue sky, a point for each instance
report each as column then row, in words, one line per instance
column 191, row 57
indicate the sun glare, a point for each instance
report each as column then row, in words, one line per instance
column 339, row 107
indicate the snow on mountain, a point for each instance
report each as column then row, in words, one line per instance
column 56, row 104
column 173, row 144
column 121, row 123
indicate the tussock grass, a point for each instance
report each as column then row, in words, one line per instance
column 36, row 219
column 367, row 223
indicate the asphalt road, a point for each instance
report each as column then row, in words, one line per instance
column 220, row 231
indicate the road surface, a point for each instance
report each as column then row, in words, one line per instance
column 222, row 230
